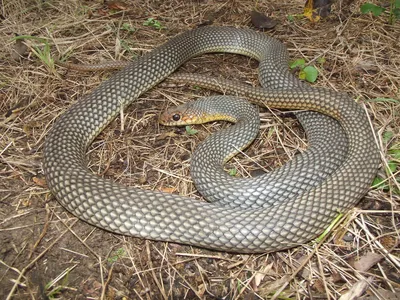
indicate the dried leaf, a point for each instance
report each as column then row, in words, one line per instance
column 336, row 277
column 169, row 190
column 143, row 179
column 386, row 294
column 26, row 202
column 367, row 261
column 117, row 5
column 319, row 286
column 19, row 49
column 314, row 10
column 262, row 21
column 388, row 242
column 201, row 290
column 274, row 285
column 102, row 12
column 169, row 134
column 40, row 181
column 357, row 290
column 27, row 129
column 14, row 111
column 259, row 276
column 309, row 12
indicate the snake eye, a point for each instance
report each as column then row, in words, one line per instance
column 176, row 117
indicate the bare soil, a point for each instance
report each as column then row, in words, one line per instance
column 47, row 253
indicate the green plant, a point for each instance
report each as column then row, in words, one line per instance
column 52, row 290
column 309, row 73
column 377, row 10
column 128, row 27
column 393, row 164
column 232, row 172
column 116, row 255
column 190, row 130
column 153, row 23
column 329, row 228
column 43, row 51
column 128, row 45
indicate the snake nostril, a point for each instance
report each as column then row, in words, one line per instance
column 176, row 117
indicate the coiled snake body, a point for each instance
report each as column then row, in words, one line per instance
column 167, row 217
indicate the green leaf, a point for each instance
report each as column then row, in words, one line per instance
column 395, row 153
column 396, row 12
column 311, row 73
column 378, row 183
column 117, row 255
column 321, row 60
column 392, row 166
column 374, row 9
column 297, row 63
column 153, row 23
column 190, row 130
column 387, row 135
column 232, row 172
column 302, row 75
column 127, row 27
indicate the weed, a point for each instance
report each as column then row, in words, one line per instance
column 127, row 46
column 128, row 27
column 190, row 130
column 393, row 164
column 43, row 51
column 308, row 73
column 153, row 23
column 232, row 172
column 117, row 255
column 377, row 10
column 329, row 228
column 56, row 290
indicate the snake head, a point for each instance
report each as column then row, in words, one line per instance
column 204, row 110
column 181, row 115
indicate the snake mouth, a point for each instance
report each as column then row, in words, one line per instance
column 190, row 114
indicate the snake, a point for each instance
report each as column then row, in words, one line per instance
column 327, row 143
column 168, row 217
column 326, row 151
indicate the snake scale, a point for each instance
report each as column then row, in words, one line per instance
column 167, row 217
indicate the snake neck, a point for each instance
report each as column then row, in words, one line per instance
column 221, row 146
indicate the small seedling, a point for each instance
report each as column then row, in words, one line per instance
column 329, row 228
column 308, row 73
column 52, row 290
column 392, row 166
column 43, row 52
column 128, row 45
column 190, row 130
column 117, row 255
column 387, row 136
column 321, row 60
column 232, row 172
column 377, row 10
column 128, row 27
column 153, row 23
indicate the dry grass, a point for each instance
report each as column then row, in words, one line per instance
column 45, row 252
